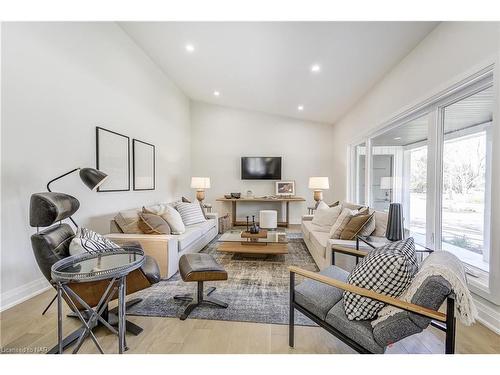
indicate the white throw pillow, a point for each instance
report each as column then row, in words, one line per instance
column 191, row 213
column 88, row 241
column 174, row 220
column 325, row 216
column 342, row 220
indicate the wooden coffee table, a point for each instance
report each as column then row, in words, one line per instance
column 232, row 242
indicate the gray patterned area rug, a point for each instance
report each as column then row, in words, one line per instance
column 257, row 289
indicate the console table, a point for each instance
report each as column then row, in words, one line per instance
column 234, row 202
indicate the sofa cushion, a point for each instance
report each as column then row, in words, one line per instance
column 174, row 220
column 192, row 234
column 358, row 331
column 369, row 227
column 319, row 298
column 319, row 240
column 191, row 213
column 204, row 226
column 380, row 223
column 325, row 216
column 355, row 226
column 341, row 222
column 153, row 224
column 387, row 270
column 128, row 221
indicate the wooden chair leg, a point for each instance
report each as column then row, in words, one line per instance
column 291, row 317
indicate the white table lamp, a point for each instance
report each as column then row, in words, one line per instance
column 200, row 184
column 318, row 184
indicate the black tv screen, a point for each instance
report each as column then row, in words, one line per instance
column 261, row 168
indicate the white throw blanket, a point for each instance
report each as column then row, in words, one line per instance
column 447, row 265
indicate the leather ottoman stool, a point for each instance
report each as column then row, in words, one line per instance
column 200, row 267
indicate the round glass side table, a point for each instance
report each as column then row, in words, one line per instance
column 107, row 264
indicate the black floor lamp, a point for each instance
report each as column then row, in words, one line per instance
column 92, row 178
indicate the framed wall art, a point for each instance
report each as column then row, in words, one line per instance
column 143, row 162
column 113, row 156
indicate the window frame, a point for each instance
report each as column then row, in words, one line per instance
column 434, row 107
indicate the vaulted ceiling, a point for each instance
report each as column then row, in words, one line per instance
column 268, row 66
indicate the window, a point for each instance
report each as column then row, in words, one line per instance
column 436, row 162
column 466, row 154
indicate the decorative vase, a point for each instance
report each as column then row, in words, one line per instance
column 395, row 230
column 254, row 229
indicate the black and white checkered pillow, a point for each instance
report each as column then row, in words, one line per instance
column 386, row 270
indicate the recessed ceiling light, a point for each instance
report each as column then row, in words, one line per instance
column 315, row 68
column 300, row 107
column 189, row 48
column 397, row 138
column 216, row 93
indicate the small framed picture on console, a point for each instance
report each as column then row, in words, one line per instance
column 285, row 188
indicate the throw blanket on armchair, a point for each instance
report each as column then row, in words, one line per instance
column 447, row 265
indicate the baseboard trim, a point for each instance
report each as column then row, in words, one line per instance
column 22, row 293
column 487, row 316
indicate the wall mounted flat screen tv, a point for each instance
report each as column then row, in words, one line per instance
column 261, row 168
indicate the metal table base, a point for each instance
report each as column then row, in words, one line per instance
column 94, row 315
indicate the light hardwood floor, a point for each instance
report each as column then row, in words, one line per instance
column 23, row 326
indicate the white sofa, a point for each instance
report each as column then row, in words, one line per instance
column 167, row 249
column 320, row 244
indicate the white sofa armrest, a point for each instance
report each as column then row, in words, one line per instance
column 214, row 215
column 162, row 247
column 307, row 217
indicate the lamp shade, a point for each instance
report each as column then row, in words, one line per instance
column 394, row 231
column 386, row 183
column 319, row 183
column 92, row 178
column 200, row 182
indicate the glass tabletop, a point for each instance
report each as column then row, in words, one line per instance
column 104, row 264
column 235, row 236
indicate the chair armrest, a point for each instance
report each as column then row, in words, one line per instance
column 349, row 251
column 420, row 310
column 359, row 238
column 307, row 217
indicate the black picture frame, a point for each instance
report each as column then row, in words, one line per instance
column 99, row 162
column 134, row 166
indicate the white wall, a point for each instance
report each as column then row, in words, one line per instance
column 60, row 80
column 444, row 57
column 221, row 135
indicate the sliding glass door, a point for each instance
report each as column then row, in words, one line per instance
column 436, row 162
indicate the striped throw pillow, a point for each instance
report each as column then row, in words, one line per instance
column 88, row 241
column 191, row 213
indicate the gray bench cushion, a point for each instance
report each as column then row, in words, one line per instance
column 319, row 298
column 431, row 294
column 394, row 328
column 359, row 331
